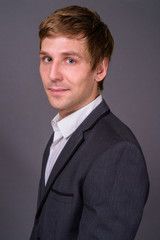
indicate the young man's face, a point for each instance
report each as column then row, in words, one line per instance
column 66, row 74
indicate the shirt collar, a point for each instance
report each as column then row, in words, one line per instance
column 70, row 123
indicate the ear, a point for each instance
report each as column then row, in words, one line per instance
column 101, row 70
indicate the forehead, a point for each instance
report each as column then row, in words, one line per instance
column 61, row 44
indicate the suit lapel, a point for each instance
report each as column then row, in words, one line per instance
column 72, row 145
column 70, row 148
column 44, row 162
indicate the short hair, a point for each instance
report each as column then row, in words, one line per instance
column 76, row 21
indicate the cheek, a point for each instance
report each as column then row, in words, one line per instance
column 78, row 78
column 40, row 69
column 43, row 69
column 85, row 81
column 44, row 74
column 41, row 73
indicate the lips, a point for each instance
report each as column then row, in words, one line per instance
column 58, row 90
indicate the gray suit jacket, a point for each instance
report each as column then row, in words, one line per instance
column 98, row 186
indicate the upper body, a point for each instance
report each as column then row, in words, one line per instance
column 98, row 184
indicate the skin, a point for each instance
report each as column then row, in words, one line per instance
column 67, row 76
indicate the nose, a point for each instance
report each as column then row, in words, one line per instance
column 55, row 73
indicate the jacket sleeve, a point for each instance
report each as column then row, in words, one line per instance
column 114, row 194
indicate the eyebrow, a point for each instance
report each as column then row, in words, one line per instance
column 69, row 53
column 72, row 53
column 43, row 53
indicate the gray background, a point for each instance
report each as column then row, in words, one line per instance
column 132, row 91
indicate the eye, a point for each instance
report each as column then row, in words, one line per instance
column 47, row 59
column 70, row 61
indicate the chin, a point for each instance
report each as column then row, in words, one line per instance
column 56, row 106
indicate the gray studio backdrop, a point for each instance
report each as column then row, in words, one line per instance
column 132, row 90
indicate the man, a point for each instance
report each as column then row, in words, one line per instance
column 94, row 182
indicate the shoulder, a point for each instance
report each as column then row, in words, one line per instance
column 108, row 129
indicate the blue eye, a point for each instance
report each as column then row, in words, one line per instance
column 71, row 61
column 47, row 59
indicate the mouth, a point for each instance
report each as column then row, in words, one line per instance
column 58, row 91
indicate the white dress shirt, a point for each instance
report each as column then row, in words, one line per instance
column 63, row 129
